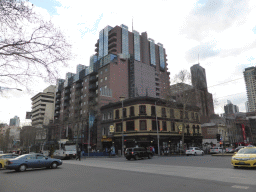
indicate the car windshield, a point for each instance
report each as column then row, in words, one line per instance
column 247, row 151
column 22, row 156
column 190, row 148
column 70, row 147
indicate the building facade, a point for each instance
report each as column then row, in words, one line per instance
column 15, row 121
column 126, row 64
column 42, row 113
column 231, row 108
column 138, row 122
column 250, row 82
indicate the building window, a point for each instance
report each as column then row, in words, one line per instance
column 194, row 131
column 171, row 113
column 124, row 112
column 103, row 131
column 187, row 127
column 163, row 112
column 143, row 125
column 172, row 126
column 106, row 78
column 181, row 114
column 153, row 111
column 130, row 126
column 117, row 114
column 142, row 109
column 154, row 127
column 164, row 127
column 101, row 80
column 197, row 117
column 192, row 115
column 119, row 127
column 109, row 115
column 132, row 111
column 106, row 69
column 186, row 115
column 198, row 129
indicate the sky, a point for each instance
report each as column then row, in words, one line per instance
column 219, row 34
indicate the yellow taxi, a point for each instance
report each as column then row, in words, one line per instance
column 245, row 157
column 5, row 157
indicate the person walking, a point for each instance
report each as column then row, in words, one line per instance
column 78, row 154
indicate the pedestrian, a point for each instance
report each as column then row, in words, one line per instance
column 109, row 152
column 78, row 154
column 153, row 150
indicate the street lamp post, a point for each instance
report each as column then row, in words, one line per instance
column 157, row 132
column 122, row 98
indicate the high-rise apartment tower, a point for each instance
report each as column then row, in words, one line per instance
column 250, row 82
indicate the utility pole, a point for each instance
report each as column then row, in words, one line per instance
column 158, row 148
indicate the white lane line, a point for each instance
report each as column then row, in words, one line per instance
column 240, row 187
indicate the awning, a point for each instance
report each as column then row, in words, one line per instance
column 106, row 140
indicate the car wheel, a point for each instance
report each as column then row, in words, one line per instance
column 128, row 158
column 187, row 154
column 235, row 167
column 54, row 165
column 202, row 153
column 136, row 157
column 149, row 156
column 195, row 154
column 1, row 166
column 22, row 168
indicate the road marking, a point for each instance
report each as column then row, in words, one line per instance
column 240, row 187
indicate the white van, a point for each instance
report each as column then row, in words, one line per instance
column 1, row 152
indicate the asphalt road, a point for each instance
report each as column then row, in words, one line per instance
column 200, row 173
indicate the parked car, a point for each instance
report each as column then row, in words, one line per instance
column 1, row 152
column 194, row 151
column 216, row 150
column 238, row 148
column 245, row 157
column 35, row 160
column 137, row 152
column 5, row 157
column 230, row 150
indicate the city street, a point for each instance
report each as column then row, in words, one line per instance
column 175, row 173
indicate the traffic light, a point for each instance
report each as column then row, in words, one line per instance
column 218, row 137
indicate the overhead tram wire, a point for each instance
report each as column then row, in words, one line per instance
column 225, row 82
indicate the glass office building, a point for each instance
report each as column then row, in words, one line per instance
column 136, row 45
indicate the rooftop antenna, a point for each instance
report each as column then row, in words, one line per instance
column 198, row 58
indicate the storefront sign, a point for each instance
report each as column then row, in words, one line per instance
column 111, row 129
column 106, row 140
column 212, row 131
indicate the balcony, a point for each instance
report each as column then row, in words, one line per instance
column 57, row 101
column 111, row 35
column 92, row 95
column 66, row 104
column 79, row 86
column 93, row 103
column 66, row 98
column 56, row 114
column 57, row 107
column 113, row 39
column 67, row 91
column 93, row 78
column 196, row 134
column 112, row 45
column 93, row 87
column 58, row 96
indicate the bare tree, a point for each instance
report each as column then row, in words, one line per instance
column 29, row 46
column 183, row 93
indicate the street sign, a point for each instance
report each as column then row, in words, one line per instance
column 111, row 128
